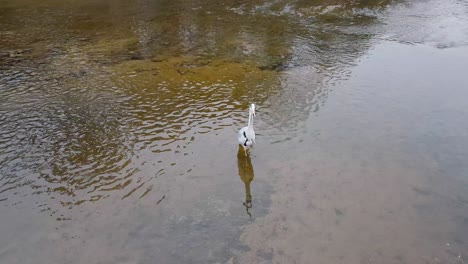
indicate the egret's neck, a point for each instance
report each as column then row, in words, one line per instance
column 250, row 125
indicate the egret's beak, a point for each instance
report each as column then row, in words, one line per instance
column 252, row 109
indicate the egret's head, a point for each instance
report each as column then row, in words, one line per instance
column 252, row 109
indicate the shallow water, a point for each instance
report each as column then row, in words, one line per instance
column 118, row 125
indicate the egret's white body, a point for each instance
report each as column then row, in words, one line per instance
column 246, row 135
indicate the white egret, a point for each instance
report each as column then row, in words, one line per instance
column 246, row 136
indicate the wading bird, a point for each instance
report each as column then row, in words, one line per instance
column 246, row 136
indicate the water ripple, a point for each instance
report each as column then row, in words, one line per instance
column 83, row 118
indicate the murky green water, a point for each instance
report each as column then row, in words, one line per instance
column 119, row 119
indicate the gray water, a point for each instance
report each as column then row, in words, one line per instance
column 118, row 131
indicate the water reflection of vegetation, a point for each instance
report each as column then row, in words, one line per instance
column 246, row 173
column 260, row 31
column 72, row 144
column 184, row 69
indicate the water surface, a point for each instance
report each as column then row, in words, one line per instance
column 118, row 125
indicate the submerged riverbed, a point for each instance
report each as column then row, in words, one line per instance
column 119, row 119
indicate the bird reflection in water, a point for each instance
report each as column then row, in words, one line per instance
column 246, row 173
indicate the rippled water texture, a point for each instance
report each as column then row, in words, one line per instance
column 119, row 119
